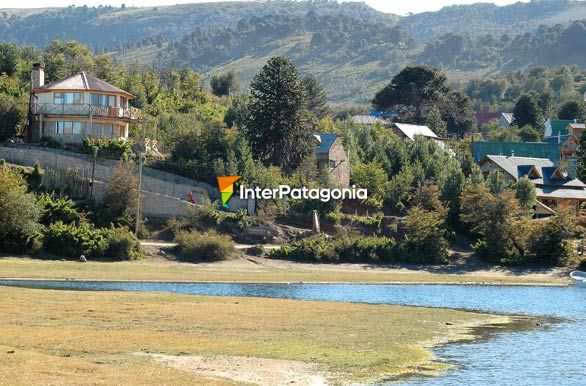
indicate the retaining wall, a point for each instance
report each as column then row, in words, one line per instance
column 164, row 186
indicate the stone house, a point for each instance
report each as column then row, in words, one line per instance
column 331, row 157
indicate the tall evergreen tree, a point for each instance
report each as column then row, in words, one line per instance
column 276, row 123
column 415, row 86
column 225, row 84
column 316, row 96
column 572, row 110
column 527, row 111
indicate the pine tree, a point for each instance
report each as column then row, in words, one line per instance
column 276, row 124
column 316, row 96
column 525, row 193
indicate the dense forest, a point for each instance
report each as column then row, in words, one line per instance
column 351, row 48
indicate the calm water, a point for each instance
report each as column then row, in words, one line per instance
column 552, row 354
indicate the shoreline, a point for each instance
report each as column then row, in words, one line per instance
column 373, row 283
column 369, row 342
column 260, row 270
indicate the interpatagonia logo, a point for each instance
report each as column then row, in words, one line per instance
column 226, row 185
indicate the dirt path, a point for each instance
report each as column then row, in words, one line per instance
column 161, row 244
column 258, row 371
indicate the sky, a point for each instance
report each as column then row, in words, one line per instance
column 400, row 7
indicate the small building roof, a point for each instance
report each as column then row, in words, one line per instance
column 509, row 117
column 561, row 193
column 549, row 175
column 558, row 139
column 550, row 150
column 578, row 126
column 325, row 142
column 364, row 119
column 557, row 126
column 411, row 131
column 82, row 82
column 482, row 118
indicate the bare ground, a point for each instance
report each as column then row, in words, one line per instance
column 258, row 371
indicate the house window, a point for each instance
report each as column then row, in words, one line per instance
column 67, row 127
column 332, row 164
column 58, row 98
column 103, row 100
column 76, row 127
column 68, row 98
column 102, row 130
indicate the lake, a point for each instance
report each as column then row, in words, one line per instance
column 553, row 353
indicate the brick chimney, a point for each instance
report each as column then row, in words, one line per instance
column 37, row 76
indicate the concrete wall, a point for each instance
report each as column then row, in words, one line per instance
column 153, row 204
column 155, row 181
column 165, row 194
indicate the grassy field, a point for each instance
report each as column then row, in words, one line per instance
column 67, row 337
column 238, row 271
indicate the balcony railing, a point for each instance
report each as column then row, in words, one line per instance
column 130, row 113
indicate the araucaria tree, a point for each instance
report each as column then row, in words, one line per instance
column 424, row 94
column 316, row 97
column 414, row 86
column 276, row 122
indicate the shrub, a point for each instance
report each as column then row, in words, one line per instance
column 59, row 209
column 344, row 249
column 548, row 242
column 367, row 249
column 19, row 214
column 50, row 142
column 73, row 240
column 426, row 239
column 374, row 222
column 122, row 244
column 195, row 246
column 120, row 199
column 256, row 250
column 315, row 248
column 117, row 147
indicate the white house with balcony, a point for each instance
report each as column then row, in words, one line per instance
column 79, row 106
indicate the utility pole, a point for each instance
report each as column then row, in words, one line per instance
column 140, row 160
column 95, row 149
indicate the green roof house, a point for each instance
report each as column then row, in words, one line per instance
column 553, row 127
column 550, row 151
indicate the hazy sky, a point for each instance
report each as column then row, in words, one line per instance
column 400, row 7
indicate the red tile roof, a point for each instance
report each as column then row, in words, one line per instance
column 82, row 81
column 483, row 118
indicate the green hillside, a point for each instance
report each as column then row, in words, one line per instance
column 351, row 48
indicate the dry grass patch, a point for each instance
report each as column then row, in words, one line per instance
column 237, row 271
column 93, row 337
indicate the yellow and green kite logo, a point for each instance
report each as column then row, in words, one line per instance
column 226, row 185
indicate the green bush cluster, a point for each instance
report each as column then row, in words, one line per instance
column 358, row 249
column 122, row 244
column 194, row 246
column 59, row 209
column 73, row 240
column 210, row 217
column 116, row 147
